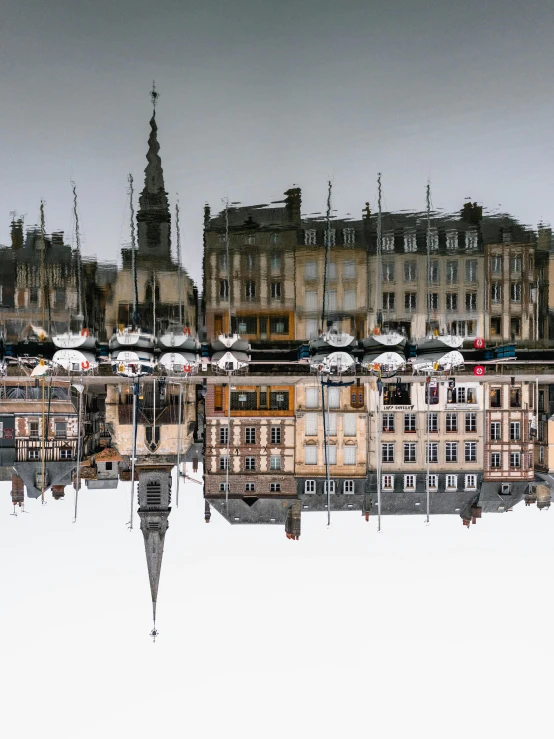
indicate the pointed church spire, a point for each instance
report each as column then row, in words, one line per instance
column 154, row 509
column 153, row 217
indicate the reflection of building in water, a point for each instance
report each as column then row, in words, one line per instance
column 162, row 286
column 154, row 497
column 261, row 274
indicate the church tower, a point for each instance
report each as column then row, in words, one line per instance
column 154, row 496
column 153, row 217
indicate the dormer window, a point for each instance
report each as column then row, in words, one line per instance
column 349, row 236
column 387, row 242
column 410, row 242
column 451, row 239
column 310, row 237
column 329, row 237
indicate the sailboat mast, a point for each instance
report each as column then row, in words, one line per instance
column 42, row 267
column 428, row 256
column 228, row 262
column 133, row 249
column 80, row 311
column 378, row 273
column 327, row 256
column 178, row 229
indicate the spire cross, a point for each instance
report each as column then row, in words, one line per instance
column 154, row 95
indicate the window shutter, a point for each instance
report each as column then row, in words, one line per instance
column 349, row 424
column 349, row 455
column 311, row 424
column 310, row 455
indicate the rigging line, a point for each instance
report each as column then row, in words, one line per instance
column 80, row 310
column 327, row 255
column 133, row 250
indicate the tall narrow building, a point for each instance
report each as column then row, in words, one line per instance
column 153, row 217
column 154, row 496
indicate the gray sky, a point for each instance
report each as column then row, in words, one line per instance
column 419, row 631
column 256, row 96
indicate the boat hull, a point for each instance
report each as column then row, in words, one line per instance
column 74, row 341
column 74, row 360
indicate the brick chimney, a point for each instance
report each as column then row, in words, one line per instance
column 58, row 492
column 293, row 205
column 17, row 233
column 57, row 238
column 18, row 490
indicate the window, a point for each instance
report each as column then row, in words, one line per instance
column 515, row 397
column 223, row 434
column 495, row 460
column 410, row 271
column 224, row 487
column 409, row 422
column 515, row 431
column 34, row 453
column 452, row 482
column 387, row 243
column 275, row 238
column 432, row 424
column 349, row 424
column 250, row 435
column 274, row 487
column 310, row 271
column 332, row 270
column 349, row 455
column 515, row 327
column 109, row 465
column 310, row 237
column 330, row 489
column 409, row 482
column 495, row 397
column 433, row 239
column 541, row 401
column 471, row 451
column 471, row 270
column 250, row 289
column 434, row 270
column 410, row 452
column 433, row 301
column 410, row 241
column 66, row 454
column 275, row 434
column 515, row 460
column 311, row 299
column 276, row 290
column 250, row 464
column 312, row 397
column 218, row 398
column 496, row 326
column 348, row 487
column 451, row 239
column 452, row 272
column 349, row 236
column 310, row 424
column 349, row 270
column 331, row 454
column 471, row 422
column 451, row 451
column 350, row 300
column 472, row 240
column 310, row 455
column 330, row 423
column 388, row 271
column 33, row 429
column 275, row 462
column 250, row 241
column 470, row 482
column 496, row 264
column 496, row 292
column 60, row 430
column 462, row 394
column 452, row 422
column 496, row 431
column 432, row 452
column 433, row 482
column 224, row 289
column 387, row 452
column 333, row 397
column 329, row 237
column 331, row 300
column 309, row 487
column 451, row 301
column 388, row 422
column 541, row 455
column 388, row 301
column 515, row 264
column 471, row 301
column 33, row 295
column 515, row 292
column 387, row 482
column 410, row 301
column 224, row 462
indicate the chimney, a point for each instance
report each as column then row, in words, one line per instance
column 293, row 205
column 472, row 213
column 58, row 491
column 17, row 233
column 57, row 238
column 18, row 490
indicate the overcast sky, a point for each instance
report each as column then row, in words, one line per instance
column 419, row 631
column 257, row 96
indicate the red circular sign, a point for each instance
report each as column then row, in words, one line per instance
column 479, row 344
column 479, row 370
